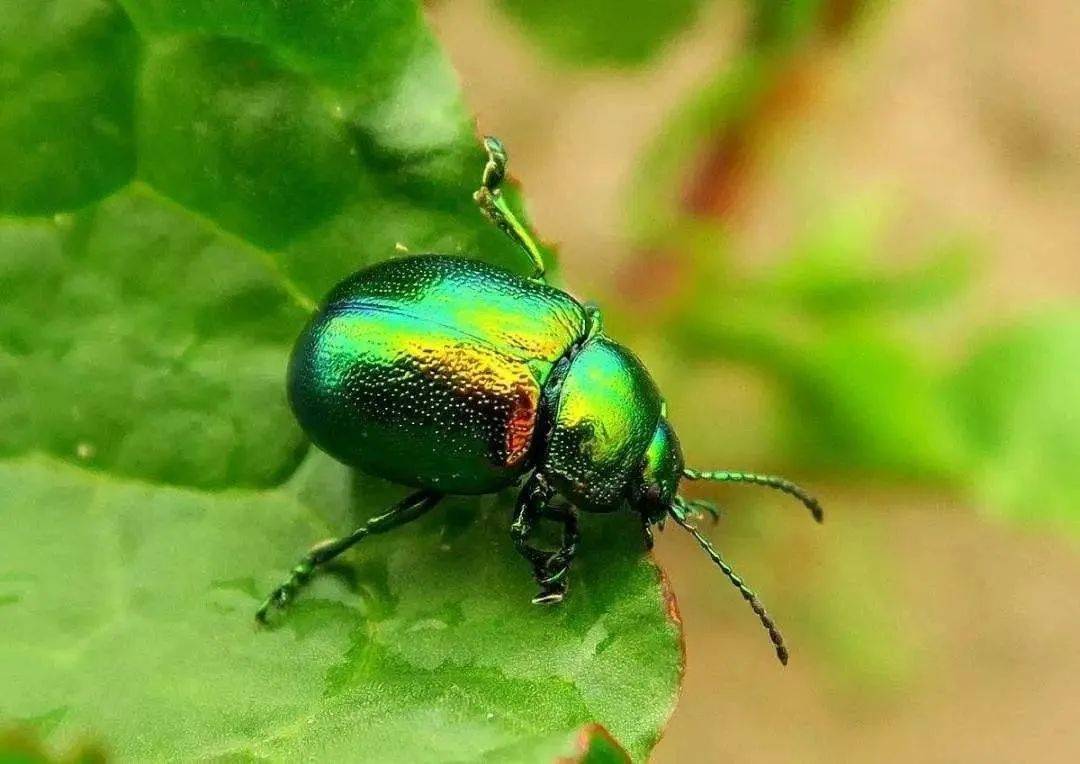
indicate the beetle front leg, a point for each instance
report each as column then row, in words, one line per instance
column 550, row 569
column 647, row 534
column 490, row 199
column 555, row 581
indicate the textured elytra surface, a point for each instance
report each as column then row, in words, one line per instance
column 192, row 179
column 428, row 371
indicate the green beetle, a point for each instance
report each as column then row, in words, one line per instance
column 456, row 377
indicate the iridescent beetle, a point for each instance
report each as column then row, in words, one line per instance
column 456, row 377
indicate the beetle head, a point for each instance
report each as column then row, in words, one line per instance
column 653, row 492
column 653, row 488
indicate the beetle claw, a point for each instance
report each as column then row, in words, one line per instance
column 262, row 615
column 552, row 586
column 549, row 597
column 702, row 510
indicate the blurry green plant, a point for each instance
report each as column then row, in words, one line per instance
column 865, row 378
column 600, row 33
column 179, row 181
column 1018, row 394
column 857, row 388
column 595, row 33
column 862, row 383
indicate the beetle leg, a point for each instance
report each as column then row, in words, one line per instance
column 531, row 501
column 549, row 569
column 558, row 564
column 411, row 507
column 647, row 533
column 490, row 199
column 596, row 319
column 700, row 507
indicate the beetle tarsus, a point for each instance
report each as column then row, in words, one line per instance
column 492, row 203
column 550, row 597
column 699, row 508
column 280, row 597
column 553, row 576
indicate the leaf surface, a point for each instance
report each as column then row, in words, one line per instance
column 179, row 183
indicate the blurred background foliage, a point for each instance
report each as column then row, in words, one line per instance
column 848, row 338
column 843, row 234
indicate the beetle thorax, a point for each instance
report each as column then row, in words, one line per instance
column 605, row 412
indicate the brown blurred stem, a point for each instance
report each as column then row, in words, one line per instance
column 793, row 77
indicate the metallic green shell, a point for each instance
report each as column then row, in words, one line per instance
column 607, row 413
column 428, row 371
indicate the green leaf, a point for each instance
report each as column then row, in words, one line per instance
column 182, row 183
column 22, row 746
column 861, row 399
column 127, row 611
column 1020, row 403
column 853, row 392
column 268, row 164
column 836, row 271
column 599, row 33
column 67, row 98
column 589, row 745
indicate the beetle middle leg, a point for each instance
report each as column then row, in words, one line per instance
column 550, row 569
column 410, row 508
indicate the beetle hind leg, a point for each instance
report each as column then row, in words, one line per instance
column 550, row 569
column 411, row 507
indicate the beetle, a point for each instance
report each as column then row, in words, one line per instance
column 452, row 376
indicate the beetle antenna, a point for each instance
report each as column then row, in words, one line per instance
column 769, row 481
column 677, row 513
column 493, row 204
